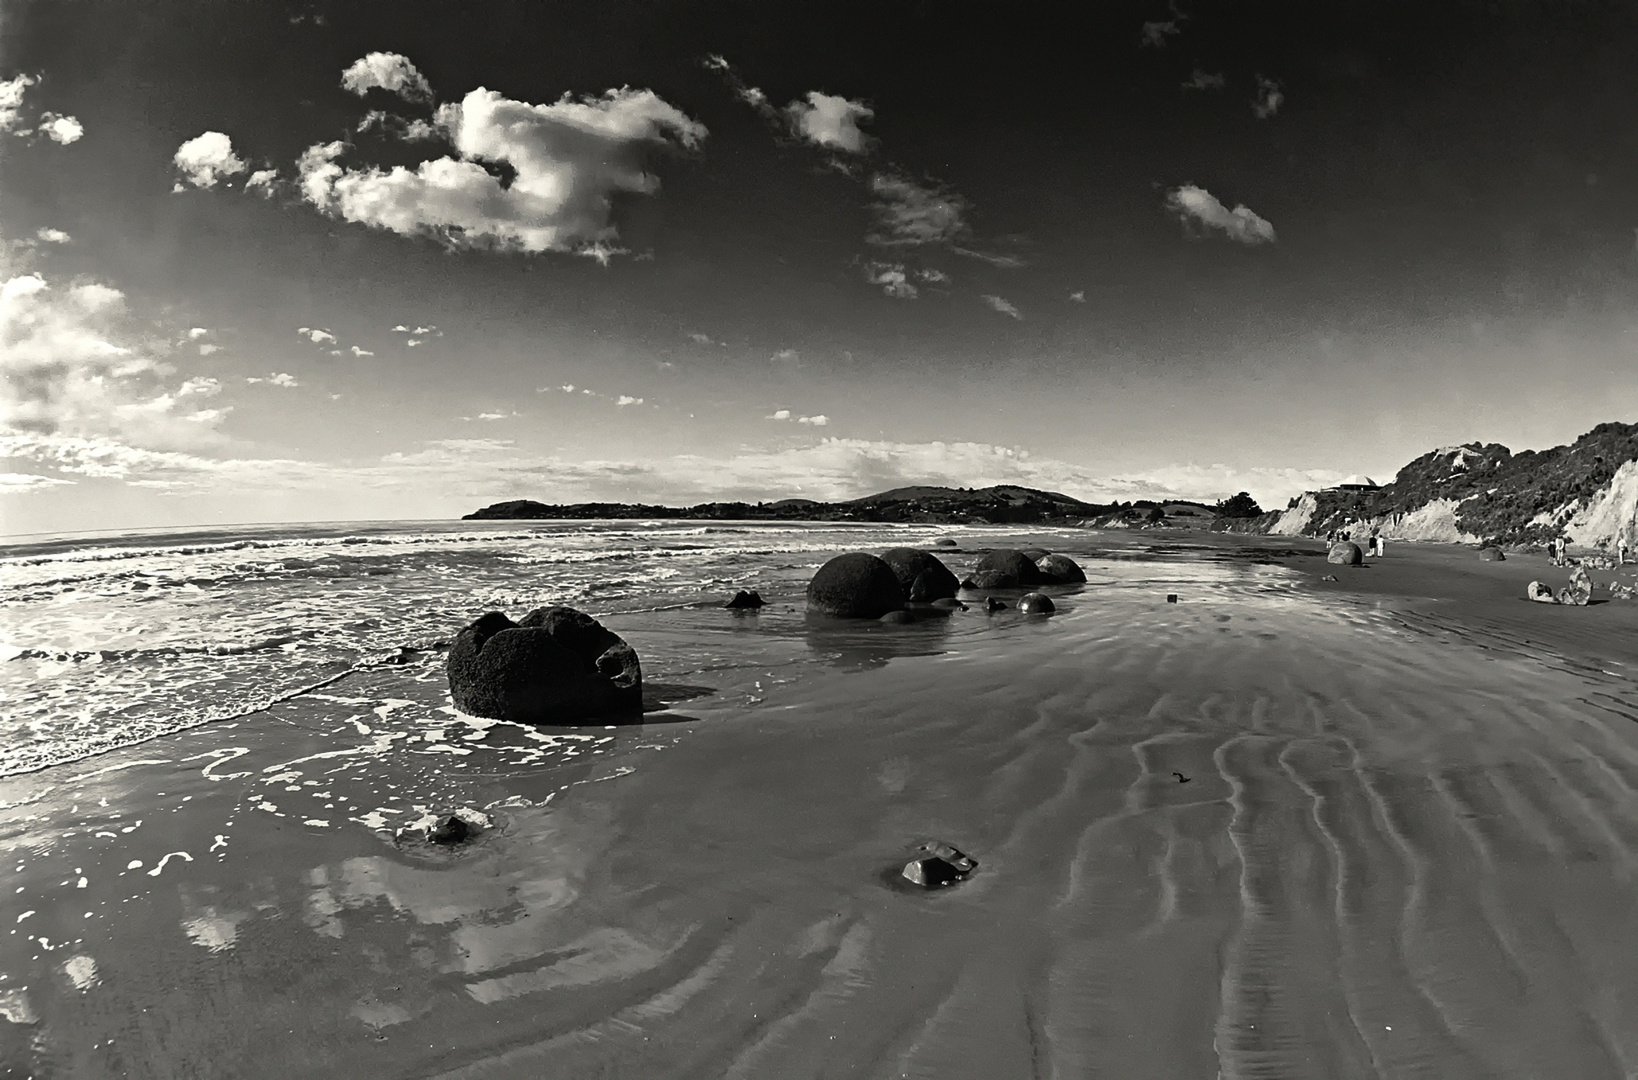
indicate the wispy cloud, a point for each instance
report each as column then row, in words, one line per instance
column 277, row 378
column 1003, row 306
column 787, row 356
column 831, row 122
column 356, row 351
column 908, row 213
column 1200, row 80
column 892, row 279
column 1269, row 98
column 54, row 236
column 1194, row 204
column 1006, row 262
column 1078, row 296
column 1154, row 34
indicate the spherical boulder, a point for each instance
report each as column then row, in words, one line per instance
column 557, row 666
column 1346, row 554
column 1492, row 554
column 922, row 577
column 897, row 618
column 1059, row 570
column 1034, row 554
column 1036, row 604
column 1004, row 568
column 944, row 541
column 855, row 586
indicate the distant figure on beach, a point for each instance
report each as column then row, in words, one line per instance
column 1372, row 545
column 1621, row 552
column 1381, row 546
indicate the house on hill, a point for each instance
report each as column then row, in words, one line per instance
column 1357, row 483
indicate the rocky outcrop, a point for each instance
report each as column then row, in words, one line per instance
column 557, row 666
column 1004, row 568
column 855, row 586
column 921, row 575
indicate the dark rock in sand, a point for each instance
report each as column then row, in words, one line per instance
column 855, row 586
column 921, row 576
column 1036, row 604
column 449, row 830
column 1059, row 570
column 951, row 603
column 944, row 542
column 1492, row 554
column 939, row 864
column 743, row 599
column 557, row 666
column 1346, row 553
column 1004, row 569
column 992, row 604
column 900, row 616
column 1542, row 594
column 1034, row 555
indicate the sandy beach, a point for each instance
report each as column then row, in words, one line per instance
column 1379, row 827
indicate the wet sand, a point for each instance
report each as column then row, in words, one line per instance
column 1405, row 848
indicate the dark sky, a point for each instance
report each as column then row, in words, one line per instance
column 1112, row 249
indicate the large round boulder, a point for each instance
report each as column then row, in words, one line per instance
column 1346, row 553
column 1491, row 554
column 855, row 586
column 1004, row 568
column 1059, row 570
column 922, row 577
column 557, row 666
column 1035, row 554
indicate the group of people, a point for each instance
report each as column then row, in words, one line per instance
column 1376, row 546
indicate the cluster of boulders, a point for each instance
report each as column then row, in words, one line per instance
column 1578, row 593
column 894, row 586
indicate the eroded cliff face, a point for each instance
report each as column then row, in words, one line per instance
column 1295, row 520
column 1609, row 516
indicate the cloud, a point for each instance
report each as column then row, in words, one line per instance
column 495, row 415
column 817, row 421
column 568, row 160
column 1200, row 80
column 73, row 363
column 60, row 129
column 929, row 274
column 1078, row 296
column 787, row 356
column 356, row 351
column 207, row 158
column 11, row 99
column 603, row 252
column 908, row 213
column 1195, row 204
column 12, row 482
column 398, row 127
column 387, row 71
column 202, row 385
column 1006, row 262
column 197, row 332
column 778, row 414
column 54, row 236
column 1002, row 306
column 264, row 182
column 277, row 378
column 701, row 339
column 1269, row 98
column 627, row 399
column 892, row 278
column 317, row 337
column 400, row 329
column 830, row 121
column 208, row 349
column 1154, row 34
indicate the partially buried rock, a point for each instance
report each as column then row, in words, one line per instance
column 922, row 577
column 1004, row 569
column 449, row 830
column 1540, row 593
column 1059, row 570
column 939, row 864
column 1491, row 554
column 992, row 605
column 558, row 666
column 1036, row 604
column 900, row 616
column 856, row 586
column 1345, row 554
column 944, row 542
column 950, row 603
column 743, row 599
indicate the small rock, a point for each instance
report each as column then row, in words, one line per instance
column 900, row 616
column 1171, row 598
column 1540, row 593
column 743, row 599
column 951, row 603
column 944, row 542
column 1036, row 604
column 1330, row 577
column 992, row 604
column 939, row 865
column 957, row 858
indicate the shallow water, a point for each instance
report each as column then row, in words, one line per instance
column 1402, row 850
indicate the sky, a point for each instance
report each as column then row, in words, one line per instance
column 335, row 261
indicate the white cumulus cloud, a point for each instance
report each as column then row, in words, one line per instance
column 568, row 160
column 11, row 99
column 627, row 399
column 61, row 129
column 830, row 121
column 817, row 421
column 317, row 337
column 1195, row 204
column 387, row 71
column 263, row 182
column 356, row 351
column 54, row 236
column 892, row 279
column 779, row 414
column 205, row 159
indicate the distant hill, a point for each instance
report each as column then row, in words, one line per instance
column 1586, row 492
column 1002, row 504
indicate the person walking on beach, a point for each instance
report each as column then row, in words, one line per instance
column 1370, row 548
column 1621, row 552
